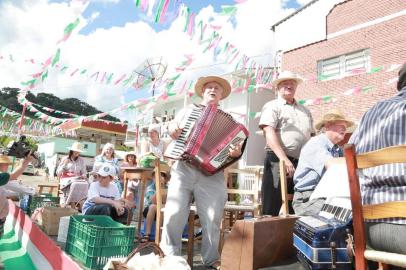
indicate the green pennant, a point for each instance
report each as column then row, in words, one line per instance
column 44, row 75
column 83, row 71
column 366, row 88
column 375, row 70
column 302, row 101
column 56, row 57
column 30, row 82
column 228, row 10
column 69, row 28
column 326, row 98
column 109, row 78
column 252, row 114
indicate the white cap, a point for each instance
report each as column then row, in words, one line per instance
column 106, row 170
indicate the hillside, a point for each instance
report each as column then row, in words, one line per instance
column 8, row 99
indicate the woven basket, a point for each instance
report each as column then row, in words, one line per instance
column 143, row 249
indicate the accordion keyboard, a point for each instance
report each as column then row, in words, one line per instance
column 177, row 147
column 338, row 213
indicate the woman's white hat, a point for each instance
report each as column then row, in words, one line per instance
column 77, row 147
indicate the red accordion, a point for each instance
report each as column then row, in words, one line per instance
column 206, row 138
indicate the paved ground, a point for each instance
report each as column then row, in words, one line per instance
column 197, row 264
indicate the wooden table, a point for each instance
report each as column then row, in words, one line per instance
column 132, row 173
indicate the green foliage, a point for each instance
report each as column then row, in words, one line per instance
column 123, row 148
column 8, row 99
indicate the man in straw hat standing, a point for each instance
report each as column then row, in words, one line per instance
column 287, row 126
column 318, row 154
column 4, row 178
column 382, row 126
column 188, row 182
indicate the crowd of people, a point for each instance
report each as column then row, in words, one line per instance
column 308, row 151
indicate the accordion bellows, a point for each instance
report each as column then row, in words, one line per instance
column 206, row 138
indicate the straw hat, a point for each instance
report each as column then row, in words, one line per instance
column 332, row 116
column 129, row 154
column 286, row 75
column 5, row 159
column 204, row 80
column 77, row 147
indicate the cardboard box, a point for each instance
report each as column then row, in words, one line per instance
column 50, row 217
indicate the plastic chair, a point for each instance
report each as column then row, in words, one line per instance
column 360, row 213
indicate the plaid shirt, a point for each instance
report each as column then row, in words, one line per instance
column 382, row 126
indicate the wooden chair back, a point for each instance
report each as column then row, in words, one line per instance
column 394, row 154
column 253, row 186
column 286, row 197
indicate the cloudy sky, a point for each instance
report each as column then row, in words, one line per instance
column 114, row 36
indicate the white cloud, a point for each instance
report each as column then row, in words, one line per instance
column 93, row 16
column 30, row 29
column 106, row 1
column 303, row 2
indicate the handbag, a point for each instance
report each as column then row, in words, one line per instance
column 145, row 248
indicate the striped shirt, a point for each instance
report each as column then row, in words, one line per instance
column 382, row 126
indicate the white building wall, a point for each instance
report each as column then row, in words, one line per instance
column 305, row 27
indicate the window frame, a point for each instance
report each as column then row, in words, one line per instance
column 343, row 71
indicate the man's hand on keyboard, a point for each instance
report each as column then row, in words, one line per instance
column 174, row 130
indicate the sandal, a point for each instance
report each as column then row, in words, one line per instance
column 144, row 239
column 216, row 265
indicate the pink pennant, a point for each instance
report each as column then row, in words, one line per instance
column 73, row 73
column 120, row 79
column 104, row 76
column 240, row 1
column 36, row 75
column 65, row 37
column 238, row 90
column 215, row 27
column 191, row 25
column 47, row 62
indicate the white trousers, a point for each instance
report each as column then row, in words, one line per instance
column 210, row 197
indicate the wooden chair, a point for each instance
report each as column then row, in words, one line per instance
column 233, row 207
column 159, row 217
column 286, row 197
column 395, row 154
column 48, row 189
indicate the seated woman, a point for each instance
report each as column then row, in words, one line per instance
column 155, row 144
column 107, row 156
column 130, row 161
column 103, row 197
column 72, row 173
column 150, row 202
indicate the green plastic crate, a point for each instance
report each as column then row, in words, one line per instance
column 92, row 240
column 31, row 202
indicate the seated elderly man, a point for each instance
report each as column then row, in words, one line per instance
column 382, row 126
column 318, row 154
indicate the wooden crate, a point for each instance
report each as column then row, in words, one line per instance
column 49, row 219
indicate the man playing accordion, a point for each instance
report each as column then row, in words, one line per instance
column 188, row 182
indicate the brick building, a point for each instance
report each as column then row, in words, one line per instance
column 361, row 48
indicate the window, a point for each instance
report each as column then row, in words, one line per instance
column 85, row 146
column 344, row 65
